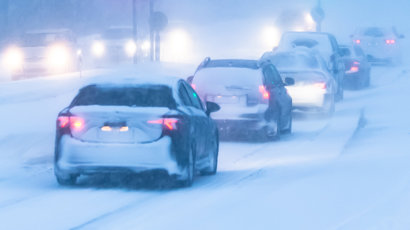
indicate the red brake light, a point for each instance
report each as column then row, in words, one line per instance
column 321, row 85
column 76, row 123
column 354, row 69
column 358, row 41
column 264, row 92
column 193, row 86
column 168, row 123
column 63, row 121
column 391, row 42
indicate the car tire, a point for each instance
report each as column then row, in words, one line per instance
column 267, row 133
column 69, row 180
column 190, row 170
column 329, row 107
column 289, row 129
column 213, row 163
column 340, row 94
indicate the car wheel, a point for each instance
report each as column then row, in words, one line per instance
column 289, row 129
column 70, row 180
column 329, row 106
column 269, row 133
column 213, row 161
column 190, row 169
column 340, row 94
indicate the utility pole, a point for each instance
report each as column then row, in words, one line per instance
column 318, row 14
column 151, row 31
column 134, row 26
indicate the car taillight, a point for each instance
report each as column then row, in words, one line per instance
column 193, row 86
column 265, row 93
column 74, row 123
column 391, row 42
column 63, row 121
column 354, row 68
column 167, row 123
column 320, row 85
column 357, row 41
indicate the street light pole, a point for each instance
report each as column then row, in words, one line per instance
column 134, row 26
column 151, row 30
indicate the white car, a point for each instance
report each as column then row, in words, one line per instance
column 314, row 88
column 42, row 52
column 323, row 43
column 382, row 45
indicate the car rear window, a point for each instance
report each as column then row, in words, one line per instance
column 211, row 79
column 136, row 96
column 374, row 32
column 290, row 60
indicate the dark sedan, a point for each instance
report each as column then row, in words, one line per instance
column 155, row 124
column 357, row 74
column 251, row 94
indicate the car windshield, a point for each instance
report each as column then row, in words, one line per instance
column 142, row 96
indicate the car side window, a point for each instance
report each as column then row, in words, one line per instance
column 183, row 95
column 271, row 76
column 196, row 102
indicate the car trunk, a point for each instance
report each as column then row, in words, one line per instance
column 118, row 124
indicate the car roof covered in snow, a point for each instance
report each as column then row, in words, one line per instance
column 49, row 31
column 234, row 63
column 134, row 80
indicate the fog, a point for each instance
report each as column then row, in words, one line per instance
column 337, row 159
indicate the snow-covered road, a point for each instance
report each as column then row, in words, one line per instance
column 347, row 172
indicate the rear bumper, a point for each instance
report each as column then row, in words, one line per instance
column 308, row 101
column 77, row 157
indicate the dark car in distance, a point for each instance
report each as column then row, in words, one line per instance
column 358, row 68
column 139, row 125
column 251, row 94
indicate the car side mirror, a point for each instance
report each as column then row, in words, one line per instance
column 190, row 79
column 211, row 107
column 289, row 81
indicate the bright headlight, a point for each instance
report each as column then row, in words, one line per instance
column 58, row 57
column 98, row 49
column 130, row 48
column 13, row 59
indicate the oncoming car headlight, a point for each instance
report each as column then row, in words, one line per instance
column 13, row 59
column 130, row 48
column 58, row 57
column 98, row 49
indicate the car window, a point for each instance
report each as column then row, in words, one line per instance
column 271, row 76
column 183, row 95
column 196, row 102
column 138, row 96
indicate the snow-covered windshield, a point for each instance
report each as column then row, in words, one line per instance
column 138, row 96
